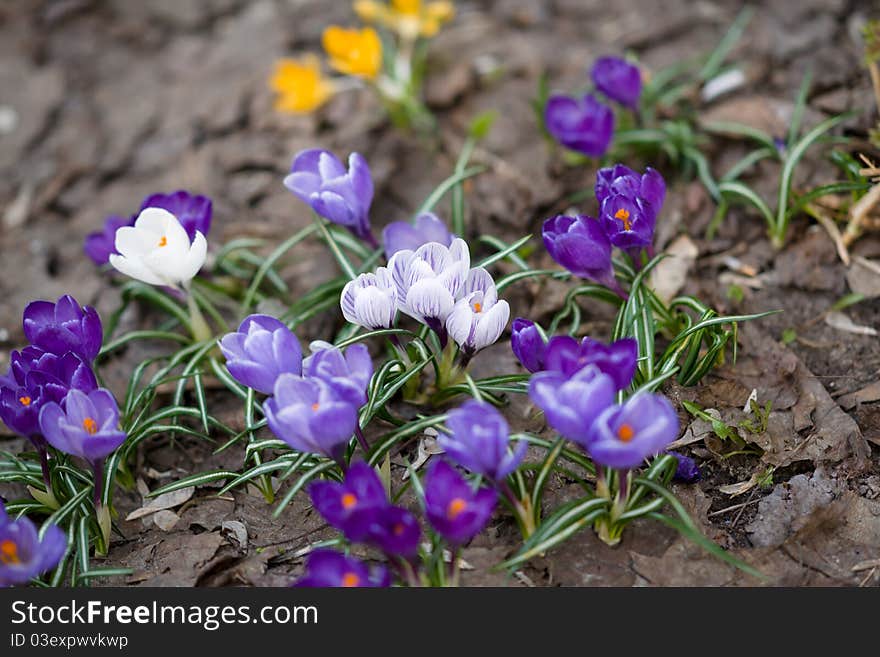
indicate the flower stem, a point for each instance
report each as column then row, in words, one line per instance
column 362, row 439
column 197, row 324
column 522, row 509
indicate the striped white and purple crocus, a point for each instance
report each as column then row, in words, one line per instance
column 370, row 300
column 478, row 318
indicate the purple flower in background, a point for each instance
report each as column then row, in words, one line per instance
column 478, row 318
column 528, row 344
column 687, row 470
column 617, row 360
column 99, row 245
column 404, row 236
column 370, row 300
column 318, row 178
column 260, row 351
column 348, row 376
column 581, row 246
column 309, row 416
column 571, row 405
column 192, row 211
column 87, row 426
column 454, row 509
column 618, row 80
column 581, row 124
column 392, row 529
column 23, row 554
column 63, row 326
column 624, row 436
column 361, row 492
column 629, row 205
column 330, row 569
column 479, row 441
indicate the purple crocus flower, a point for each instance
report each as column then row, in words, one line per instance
column 99, row 245
column 343, row 197
column 687, row 470
column 392, row 529
column 618, row 80
column 617, row 360
column 624, row 436
column 629, row 205
column 479, row 441
column 192, row 211
column 581, row 124
column 348, row 376
column 332, row 569
column 572, row 404
column 361, row 492
column 87, row 426
column 260, row 351
column 454, row 509
column 63, row 326
column 309, row 416
column 581, row 246
column 23, row 554
column 528, row 344
column 402, row 235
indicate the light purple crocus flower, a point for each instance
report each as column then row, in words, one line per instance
column 63, row 326
column 99, row 245
column 23, row 554
column 370, row 300
column 581, row 246
column 624, row 436
column 580, row 124
column 392, row 529
column 479, row 317
column 260, row 351
column 618, row 80
column 455, row 510
column 343, row 197
column 193, row 211
column 402, row 235
column 528, row 344
column 307, row 414
column 361, row 492
column 617, row 360
column 330, row 569
column 572, row 404
column 347, row 375
column 480, row 440
column 629, row 205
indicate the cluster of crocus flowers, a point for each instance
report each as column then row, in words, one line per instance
column 629, row 204
column 584, row 123
column 24, row 553
column 313, row 404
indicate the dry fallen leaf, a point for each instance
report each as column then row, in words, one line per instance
column 165, row 501
column 165, row 519
column 237, row 530
column 671, row 273
column 841, row 322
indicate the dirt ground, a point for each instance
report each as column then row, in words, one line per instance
column 102, row 103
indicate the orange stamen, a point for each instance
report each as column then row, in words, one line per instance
column 316, row 406
column 90, row 425
column 349, row 500
column 625, row 433
column 350, row 580
column 478, row 307
column 9, row 552
column 398, row 529
column 623, row 215
column 455, row 507
column 24, row 401
column 163, row 241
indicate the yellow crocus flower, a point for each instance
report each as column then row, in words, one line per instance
column 299, row 84
column 354, row 52
column 409, row 18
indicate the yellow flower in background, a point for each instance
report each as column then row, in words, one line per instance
column 409, row 18
column 299, row 84
column 354, row 52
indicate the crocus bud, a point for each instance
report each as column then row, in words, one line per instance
column 260, row 351
column 528, row 344
column 63, row 326
column 318, row 178
column 583, row 124
column 157, row 250
column 618, row 80
column 370, row 300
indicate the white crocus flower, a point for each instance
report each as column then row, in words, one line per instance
column 478, row 318
column 157, row 250
column 370, row 300
column 429, row 280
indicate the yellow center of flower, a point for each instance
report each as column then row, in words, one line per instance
column 24, row 401
column 478, row 307
column 623, row 215
column 90, row 425
column 350, row 580
column 163, row 241
column 316, row 406
column 354, row 52
column 349, row 500
column 398, row 529
column 625, row 433
column 455, row 507
column 300, row 86
column 9, row 552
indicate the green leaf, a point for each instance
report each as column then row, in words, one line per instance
column 197, row 479
column 446, row 185
column 482, row 123
column 740, row 190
